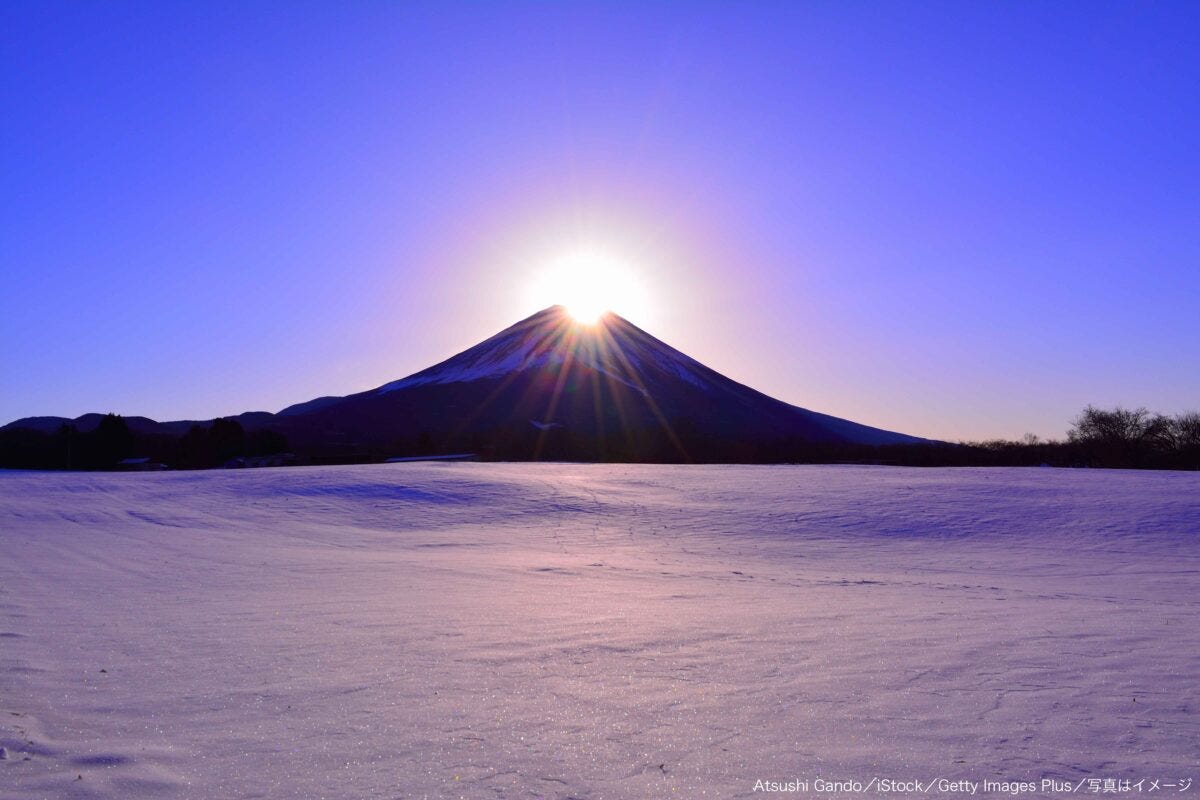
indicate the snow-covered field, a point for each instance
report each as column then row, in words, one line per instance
column 588, row 631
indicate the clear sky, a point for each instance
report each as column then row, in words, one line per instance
column 957, row 220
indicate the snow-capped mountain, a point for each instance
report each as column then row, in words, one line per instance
column 552, row 387
column 606, row 384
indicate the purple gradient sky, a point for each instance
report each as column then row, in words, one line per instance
column 957, row 220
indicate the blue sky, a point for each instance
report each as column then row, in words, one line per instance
column 958, row 220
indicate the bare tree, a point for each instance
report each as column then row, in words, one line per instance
column 1121, row 436
column 1119, row 425
column 1187, row 430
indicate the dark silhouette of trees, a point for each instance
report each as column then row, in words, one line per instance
column 66, row 435
column 195, row 451
column 223, row 440
column 265, row 443
column 228, row 439
column 111, row 441
column 1122, row 437
column 1187, row 431
column 1118, row 437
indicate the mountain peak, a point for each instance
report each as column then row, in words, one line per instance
column 549, row 338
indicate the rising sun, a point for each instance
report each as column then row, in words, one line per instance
column 590, row 284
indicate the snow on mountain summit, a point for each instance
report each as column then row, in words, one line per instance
column 612, row 346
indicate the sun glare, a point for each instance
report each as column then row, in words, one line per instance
column 589, row 284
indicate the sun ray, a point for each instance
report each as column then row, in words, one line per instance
column 633, row 373
column 567, row 365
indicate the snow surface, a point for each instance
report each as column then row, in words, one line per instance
column 591, row 631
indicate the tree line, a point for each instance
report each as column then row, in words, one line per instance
column 1112, row 438
column 112, row 441
column 1117, row 438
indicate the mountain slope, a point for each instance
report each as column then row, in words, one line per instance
column 550, row 387
column 606, row 381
